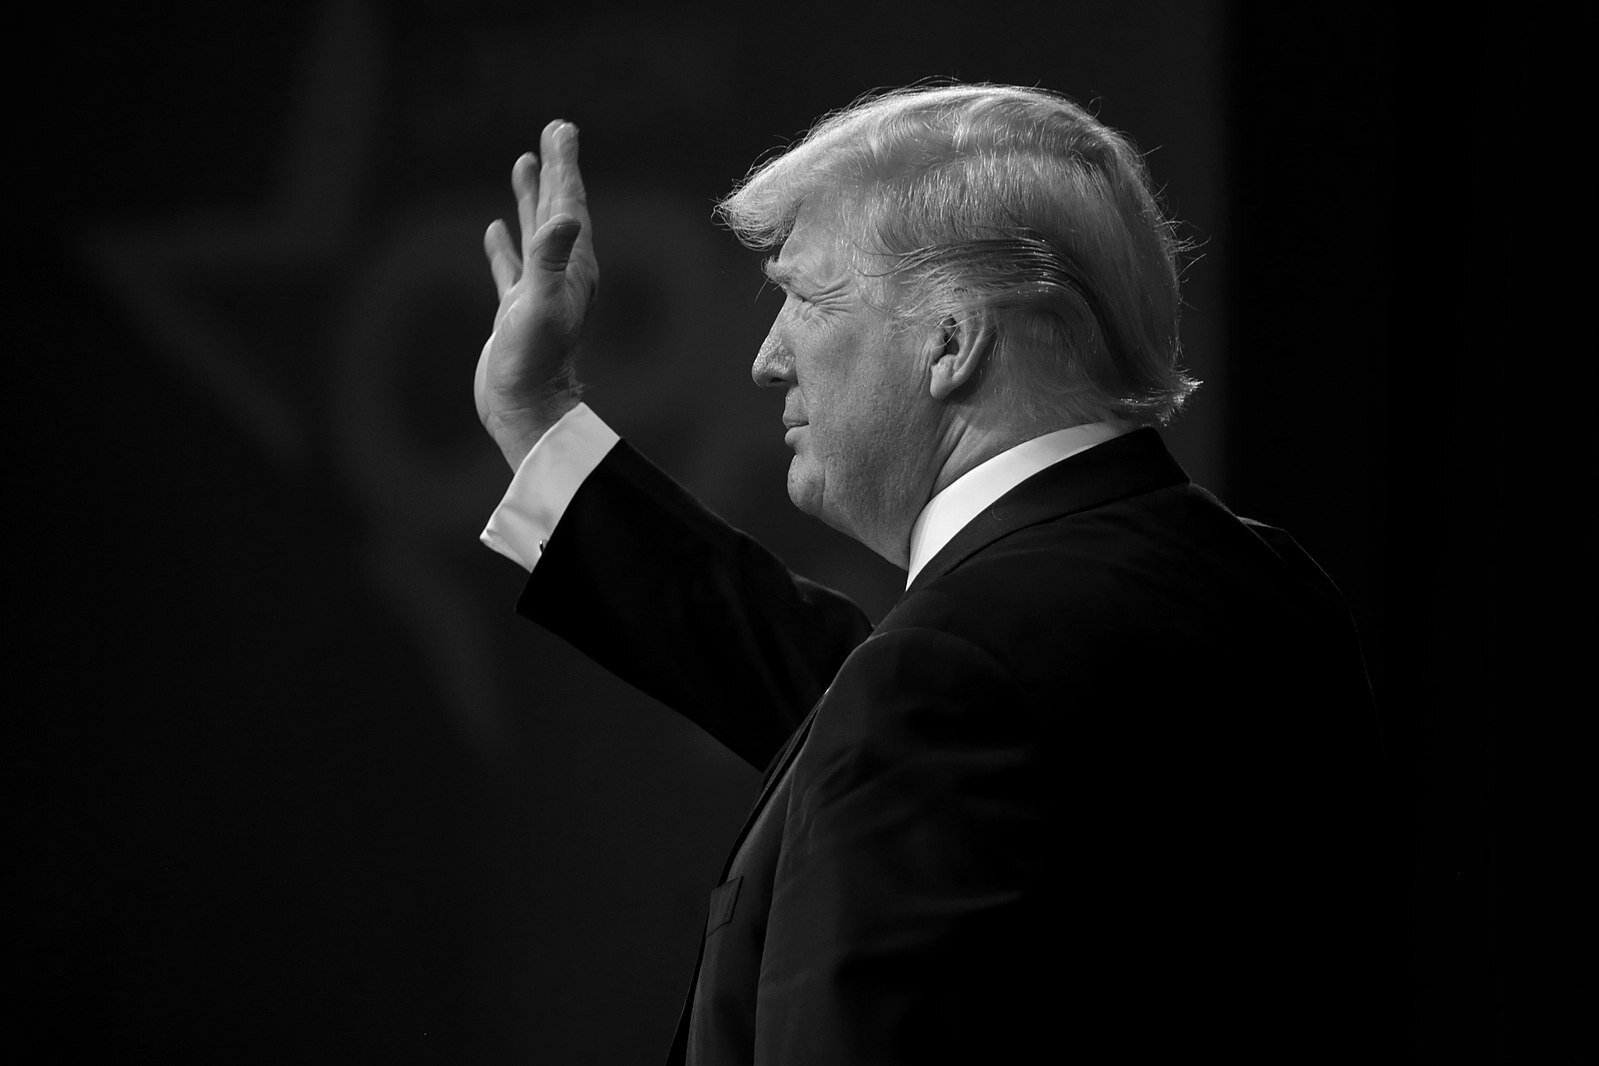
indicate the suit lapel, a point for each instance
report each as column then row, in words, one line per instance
column 774, row 775
column 1129, row 465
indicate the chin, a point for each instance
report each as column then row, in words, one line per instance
column 805, row 487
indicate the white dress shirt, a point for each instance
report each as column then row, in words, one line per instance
column 545, row 482
column 552, row 472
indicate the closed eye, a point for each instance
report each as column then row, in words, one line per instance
column 782, row 278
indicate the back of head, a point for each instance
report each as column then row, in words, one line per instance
column 1008, row 199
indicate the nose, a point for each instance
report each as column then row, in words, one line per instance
column 774, row 364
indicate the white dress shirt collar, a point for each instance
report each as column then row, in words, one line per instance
column 968, row 495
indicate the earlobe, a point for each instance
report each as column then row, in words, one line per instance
column 962, row 344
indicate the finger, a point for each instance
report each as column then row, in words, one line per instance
column 555, row 138
column 561, row 182
column 504, row 263
column 525, row 183
column 546, row 153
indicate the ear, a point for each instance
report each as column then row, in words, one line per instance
column 960, row 345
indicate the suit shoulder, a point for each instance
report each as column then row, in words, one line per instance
column 1170, row 577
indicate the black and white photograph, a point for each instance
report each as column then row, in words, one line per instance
column 835, row 534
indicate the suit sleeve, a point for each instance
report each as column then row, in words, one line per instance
column 655, row 588
column 912, row 873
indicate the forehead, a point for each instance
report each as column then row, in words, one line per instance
column 814, row 250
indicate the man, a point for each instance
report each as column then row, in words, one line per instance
column 1105, row 776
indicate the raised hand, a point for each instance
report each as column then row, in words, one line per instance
column 526, row 374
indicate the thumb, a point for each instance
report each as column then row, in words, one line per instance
column 555, row 242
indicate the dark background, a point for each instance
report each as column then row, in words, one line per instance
column 287, row 780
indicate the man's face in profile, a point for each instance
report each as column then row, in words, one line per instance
column 860, row 420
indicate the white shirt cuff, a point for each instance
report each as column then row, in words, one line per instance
column 545, row 483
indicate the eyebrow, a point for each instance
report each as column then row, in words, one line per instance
column 779, row 275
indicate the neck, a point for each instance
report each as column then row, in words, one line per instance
column 965, row 444
column 969, row 434
column 973, row 441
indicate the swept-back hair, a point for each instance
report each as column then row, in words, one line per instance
column 1006, row 198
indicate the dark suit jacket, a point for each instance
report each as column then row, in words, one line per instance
column 1105, row 778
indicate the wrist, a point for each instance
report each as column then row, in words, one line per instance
column 517, row 430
